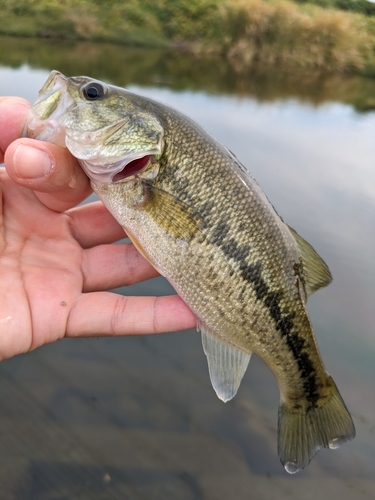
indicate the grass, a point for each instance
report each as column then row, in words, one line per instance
column 246, row 32
column 282, row 32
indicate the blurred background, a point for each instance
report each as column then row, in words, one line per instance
column 137, row 418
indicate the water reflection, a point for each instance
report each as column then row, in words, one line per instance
column 179, row 71
column 136, row 417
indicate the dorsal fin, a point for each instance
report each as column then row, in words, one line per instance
column 315, row 271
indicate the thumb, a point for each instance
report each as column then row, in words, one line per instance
column 49, row 170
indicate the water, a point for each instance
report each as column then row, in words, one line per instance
column 136, row 417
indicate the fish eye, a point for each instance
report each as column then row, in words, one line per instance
column 93, row 91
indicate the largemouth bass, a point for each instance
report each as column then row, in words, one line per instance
column 204, row 223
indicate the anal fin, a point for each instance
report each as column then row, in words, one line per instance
column 226, row 364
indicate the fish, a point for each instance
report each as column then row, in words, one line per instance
column 201, row 219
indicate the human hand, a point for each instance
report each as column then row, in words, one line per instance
column 57, row 260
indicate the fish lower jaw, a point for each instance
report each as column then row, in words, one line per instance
column 48, row 131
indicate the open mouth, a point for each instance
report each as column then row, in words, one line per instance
column 132, row 168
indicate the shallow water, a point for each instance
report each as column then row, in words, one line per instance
column 136, row 417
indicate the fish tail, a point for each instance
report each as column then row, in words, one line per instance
column 303, row 430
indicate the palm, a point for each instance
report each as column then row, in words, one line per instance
column 51, row 283
column 40, row 266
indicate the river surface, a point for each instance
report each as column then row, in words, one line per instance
column 136, row 418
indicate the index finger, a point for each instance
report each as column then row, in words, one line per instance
column 13, row 114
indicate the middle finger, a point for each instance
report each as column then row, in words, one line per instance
column 110, row 266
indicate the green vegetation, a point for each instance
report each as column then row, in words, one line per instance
column 362, row 6
column 126, row 66
column 247, row 32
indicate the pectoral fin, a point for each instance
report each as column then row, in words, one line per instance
column 169, row 212
column 226, row 365
column 315, row 271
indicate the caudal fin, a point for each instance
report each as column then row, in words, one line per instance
column 304, row 430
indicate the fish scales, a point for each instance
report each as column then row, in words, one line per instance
column 195, row 213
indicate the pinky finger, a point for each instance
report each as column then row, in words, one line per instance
column 101, row 314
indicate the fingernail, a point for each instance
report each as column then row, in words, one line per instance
column 31, row 163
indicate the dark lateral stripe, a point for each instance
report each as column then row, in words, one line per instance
column 219, row 234
column 252, row 273
column 284, row 324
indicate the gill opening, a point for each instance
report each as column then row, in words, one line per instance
column 132, row 168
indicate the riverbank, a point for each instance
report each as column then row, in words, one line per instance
column 246, row 32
